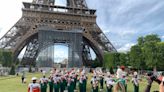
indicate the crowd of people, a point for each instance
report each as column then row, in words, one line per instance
column 75, row 80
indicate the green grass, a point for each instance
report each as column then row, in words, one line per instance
column 14, row 84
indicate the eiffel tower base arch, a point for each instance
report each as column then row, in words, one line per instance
column 73, row 38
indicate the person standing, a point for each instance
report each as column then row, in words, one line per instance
column 82, row 83
column 75, row 79
column 34, row 86
column 70, row 84
column 51, row 84
column 149, row 78
column 101, row 81
column 56, row 83
column 23, row 77
column 135, row 82
column 94, row 83
column 109, row 83
column 62, row 84
column 43, row 84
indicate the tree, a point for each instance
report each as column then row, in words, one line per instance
column 136, row 57
column 150, row 50
column 151, row 38
column 145, row 52
column 116, row 59
column 108, row 60
column 150, row 54
column 7, row 58
column 160, row 55
column 140, row 41
column 123, row 59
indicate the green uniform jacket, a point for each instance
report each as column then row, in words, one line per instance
column 56, row 87
column 43, row 87
column 71, row 87
column 101, row 83
column 84, row 85
column 51, row 84
column 62, row 86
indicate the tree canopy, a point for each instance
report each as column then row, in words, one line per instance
column 148, row 53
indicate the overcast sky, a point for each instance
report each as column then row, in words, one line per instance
column 123, row 21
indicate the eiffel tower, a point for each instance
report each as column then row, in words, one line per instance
column 60, row 23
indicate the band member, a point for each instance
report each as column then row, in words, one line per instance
column 82, row 83
column 34, row 86
column 70, row 84
column 43, row 84
column 56, row 80
column 109, row 83
column 101, row 81
column 94, row 83
column 121, row 80
column 63, row 84
column 51, row 84
column 135, row 82
column 75, row 80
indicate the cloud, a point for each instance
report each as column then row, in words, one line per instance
column 123, row 21
column 126, row 47
column 162, row 37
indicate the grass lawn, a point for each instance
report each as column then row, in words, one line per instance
column 14, row 84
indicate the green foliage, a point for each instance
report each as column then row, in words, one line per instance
column 95, row 63
column 160, row 55
column 123, row 57
column 7, row 58
column 136, row 57
column 148, row 53
column 140, row 41
column 109, row 60
column 152, row 38
column 112, row 60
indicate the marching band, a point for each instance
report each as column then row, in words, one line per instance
column 67, row 81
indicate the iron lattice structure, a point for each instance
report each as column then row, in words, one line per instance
column 45, row 14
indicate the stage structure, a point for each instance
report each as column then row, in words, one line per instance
column 43, row 23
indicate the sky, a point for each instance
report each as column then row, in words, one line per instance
column 123, row 21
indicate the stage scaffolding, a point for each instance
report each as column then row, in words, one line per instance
column 72, row 38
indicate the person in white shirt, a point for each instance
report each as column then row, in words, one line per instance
column 94, row 83
column 109, row 83
column 34, row 86
column 135, row 82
